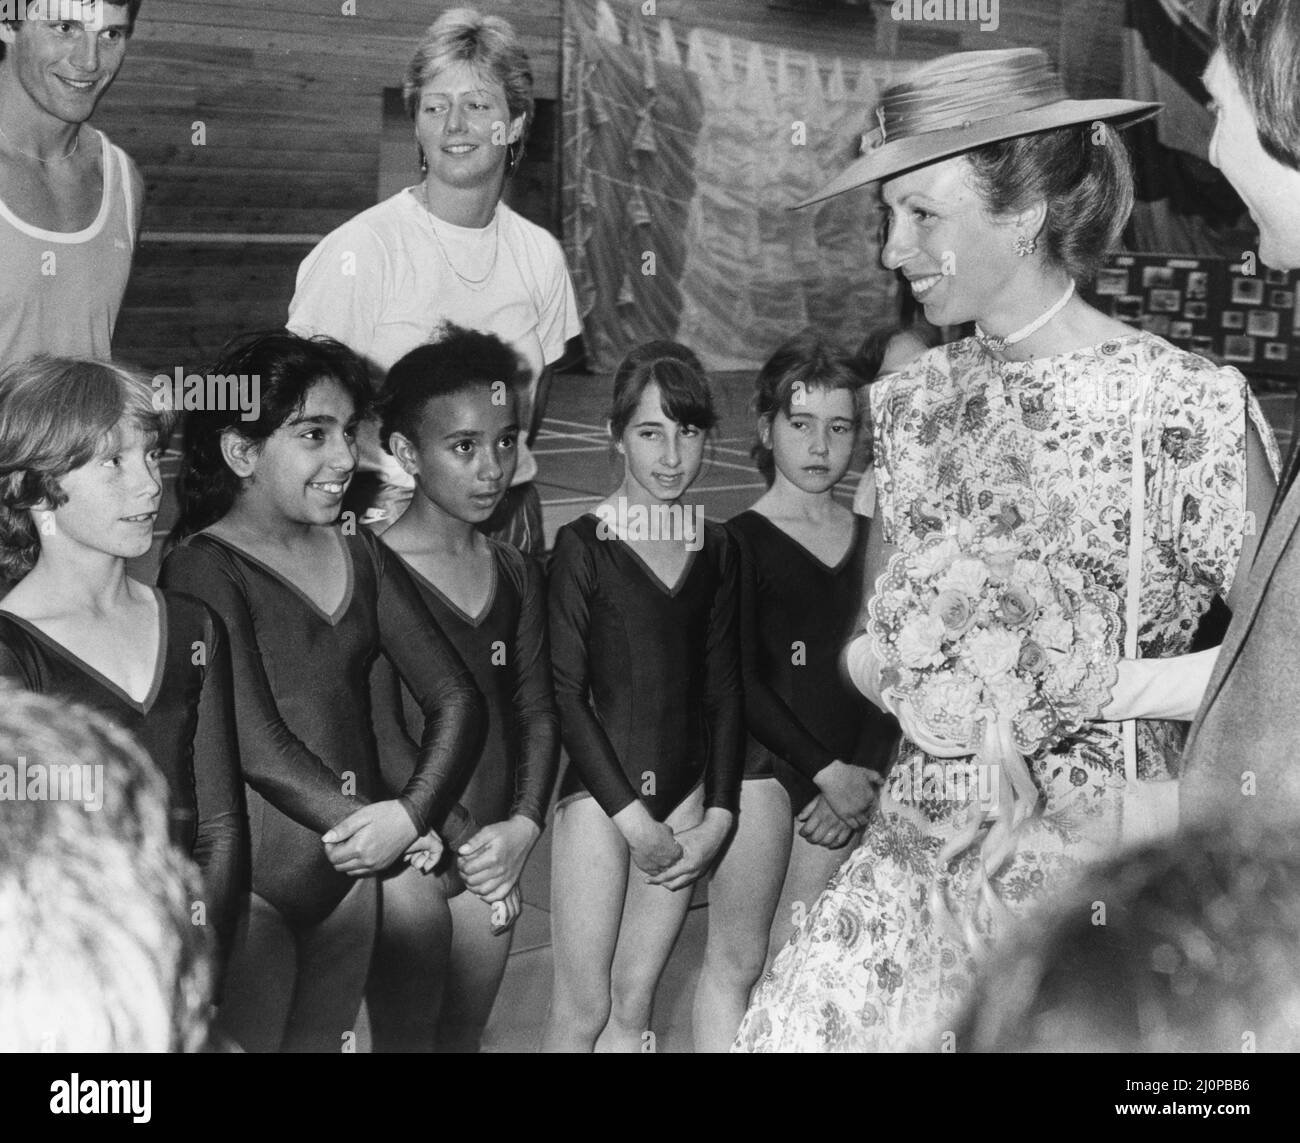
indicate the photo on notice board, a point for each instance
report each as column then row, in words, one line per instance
column 1238, row 348
column 1128, row 308
column 1262, row 323
column 1112, row 281
column 1165, row 301
column 1247, row 292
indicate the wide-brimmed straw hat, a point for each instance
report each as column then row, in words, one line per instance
column 958, row 102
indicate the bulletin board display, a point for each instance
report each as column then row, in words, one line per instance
column 1208, row 305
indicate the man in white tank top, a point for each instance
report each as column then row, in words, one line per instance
column 70, row 201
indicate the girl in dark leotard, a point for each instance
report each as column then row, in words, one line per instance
column 451, row 419
column 309, row 602
column 803, row 800
column 647, row 678
column 80, row 444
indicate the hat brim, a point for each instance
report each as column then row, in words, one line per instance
column 896, row 156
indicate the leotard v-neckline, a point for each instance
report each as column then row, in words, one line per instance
column 142, row 706
column 830, row 569
column 452, row 605
column 332, row 618
column 673, row 590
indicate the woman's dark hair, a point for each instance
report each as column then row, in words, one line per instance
column 281, row 368
column 55, row 414
column 1182, row 945
column 1081, row 172
column 460, row 360
column 803, row 363
column 683, row 386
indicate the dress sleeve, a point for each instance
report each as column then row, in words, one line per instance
column 274, row 761
column 724, row 699
column 882, row 421
column 221, row 842
column 769, row 718
column 536, row 720
column 1199, row 493
column 573, row 583
column 454, row 710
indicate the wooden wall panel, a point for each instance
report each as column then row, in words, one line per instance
column 288, row 95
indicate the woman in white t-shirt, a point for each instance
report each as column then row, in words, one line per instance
column 448, row 249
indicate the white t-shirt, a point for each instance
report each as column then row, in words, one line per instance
column 384, row 281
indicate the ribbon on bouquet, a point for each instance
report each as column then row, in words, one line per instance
column 1017, row 799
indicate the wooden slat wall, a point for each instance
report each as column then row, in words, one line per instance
column 289, row 97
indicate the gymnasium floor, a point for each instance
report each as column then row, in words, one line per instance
column 576, row 472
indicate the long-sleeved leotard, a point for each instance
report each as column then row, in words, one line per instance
column 507, row 649
column 647, row 677
column 796, row 615
column 186, row 724
column 302, row 707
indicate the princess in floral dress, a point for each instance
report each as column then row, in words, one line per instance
column 1001, row 193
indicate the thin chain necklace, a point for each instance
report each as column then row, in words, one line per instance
column 992, row 341
column 475, row 284
column 76, row 142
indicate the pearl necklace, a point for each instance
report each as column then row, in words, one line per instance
column 475, row 284
column 76, row 142
column 992, row 341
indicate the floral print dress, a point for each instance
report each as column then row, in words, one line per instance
column 883, row 960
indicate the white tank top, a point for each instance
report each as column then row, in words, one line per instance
column 60, row 292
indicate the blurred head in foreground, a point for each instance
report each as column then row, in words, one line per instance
column 97, row 949
column 1192, row 945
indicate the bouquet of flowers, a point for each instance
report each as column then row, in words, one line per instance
column 1002, row 645
column 987, row 623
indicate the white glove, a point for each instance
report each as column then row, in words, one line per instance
column 1161, row 688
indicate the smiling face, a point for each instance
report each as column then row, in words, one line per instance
column 112, row 499
column 467, row 452
column 63, row 67
column 812, row 447
column 958, row 260
column 463, row 124
column 663, row 457
column 302, row 470
column 1270, row 190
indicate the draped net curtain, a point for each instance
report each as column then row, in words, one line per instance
column 683, row 149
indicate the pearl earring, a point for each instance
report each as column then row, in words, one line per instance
column 1025, row 246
